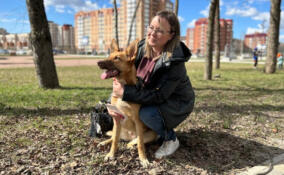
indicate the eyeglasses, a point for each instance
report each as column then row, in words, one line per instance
column 159, row 32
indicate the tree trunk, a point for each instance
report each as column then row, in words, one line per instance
column 217, row 36
column 273, row 36
column 132, row 21
column 209, row 44
column 42, row 45
column 176, row 7
column 116, row 22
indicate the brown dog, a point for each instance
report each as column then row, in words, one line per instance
column 120, row 64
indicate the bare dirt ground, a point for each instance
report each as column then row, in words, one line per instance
column 27, row 61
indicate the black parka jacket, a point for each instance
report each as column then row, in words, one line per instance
column 169, row 87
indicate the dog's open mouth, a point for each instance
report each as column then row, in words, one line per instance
column 109, row 74
column 111, row 70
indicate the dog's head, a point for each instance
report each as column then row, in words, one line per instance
column 119, row 63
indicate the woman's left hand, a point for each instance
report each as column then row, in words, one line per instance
column 117, row 88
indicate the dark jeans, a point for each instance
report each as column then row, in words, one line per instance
column 152, row 118
column 255, row 62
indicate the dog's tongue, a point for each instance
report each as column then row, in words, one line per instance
column 109, row 74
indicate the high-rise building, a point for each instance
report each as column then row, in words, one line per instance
column 66, row 40
column 189, row 38
column 94, row 30
column 62, row 37
column 197, row 37
column 54, row 33
column 255, row 40
column 15, row 41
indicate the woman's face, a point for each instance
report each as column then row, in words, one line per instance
column 159, row 33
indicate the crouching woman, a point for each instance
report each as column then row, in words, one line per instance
column 164, row 89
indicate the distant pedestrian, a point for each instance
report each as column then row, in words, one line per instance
column 280, row 61
column 255, row 57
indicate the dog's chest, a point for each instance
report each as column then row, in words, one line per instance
column 130, row 110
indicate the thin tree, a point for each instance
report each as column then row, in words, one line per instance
column 176, row 7
column 42, row 45
column 210, row 38
column 273, row 37
column 217, row 35
column 116, row 22
column 132, row 22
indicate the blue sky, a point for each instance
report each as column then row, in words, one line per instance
column 248, row 15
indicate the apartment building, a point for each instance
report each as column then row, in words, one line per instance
column 255, row 40
column 15, row 41
column 94, row 30
column 54, row 33
column 67, row 41
column 62, row 37
column 189, row 38
column 196, row 38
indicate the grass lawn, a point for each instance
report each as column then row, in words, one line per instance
column 238, row 121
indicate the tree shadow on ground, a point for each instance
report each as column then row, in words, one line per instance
column 3, row 58
column 248, row 89
column 25, row 112
column 86, row 88
column 219, row 152
column 224, row 110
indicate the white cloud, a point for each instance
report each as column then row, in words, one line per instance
column 247, row 12
column 181, row 19
column 77, row 5
column 191, row 24
column 221, row 3
column 205, row 12
column 254, row 30
column 60, row 8
column 6, row 20
column 281, row 38
column 262, row 16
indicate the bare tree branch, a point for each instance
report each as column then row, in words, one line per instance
column 176, row 7
column 132, row 22
column 116, row 22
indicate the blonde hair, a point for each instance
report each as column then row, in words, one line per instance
column 175, row 30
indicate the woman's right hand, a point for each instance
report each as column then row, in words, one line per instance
column 117, row 88
column 116, row 116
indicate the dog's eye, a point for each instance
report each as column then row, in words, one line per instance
column 116, row 58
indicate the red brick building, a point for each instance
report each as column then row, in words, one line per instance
column 196, row 37
column 253, row 40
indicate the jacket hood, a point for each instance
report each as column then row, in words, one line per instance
column 181, row 53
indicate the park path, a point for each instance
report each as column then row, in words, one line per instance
column 27, row 61
column 70, row 60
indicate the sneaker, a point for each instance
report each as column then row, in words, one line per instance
column 167, row 148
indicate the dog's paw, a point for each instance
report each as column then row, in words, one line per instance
column 108, row 157
column 131, row 145
column 101, row 144
column 104, row 143
column 145, row 163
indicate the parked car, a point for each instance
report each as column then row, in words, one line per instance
column 21, row 52
column 12, row 52
column 4, row 52
column 55, row 52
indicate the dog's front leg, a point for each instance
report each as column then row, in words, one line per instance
column 115, row 139
column 140, row 143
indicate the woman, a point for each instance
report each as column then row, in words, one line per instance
column 164, row 89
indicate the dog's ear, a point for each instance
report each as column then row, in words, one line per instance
column 132, row 49
column 114, row 46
